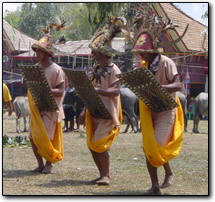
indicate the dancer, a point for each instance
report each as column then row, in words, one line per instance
column 162, row 132
column 45, row 128
column 101, row 133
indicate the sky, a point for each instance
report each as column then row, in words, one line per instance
column 195, row 10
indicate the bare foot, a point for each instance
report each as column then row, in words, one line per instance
column 103, row 181
column 168, row 181
column 152, row 191
column 38, row 169
column 48, row 168
column 94, row 181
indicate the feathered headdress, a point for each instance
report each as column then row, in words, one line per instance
column 101, row 41
column 148, row 28
column 45, row 43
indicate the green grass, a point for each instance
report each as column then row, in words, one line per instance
column 129, row 175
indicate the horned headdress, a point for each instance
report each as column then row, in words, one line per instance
column 148, row 28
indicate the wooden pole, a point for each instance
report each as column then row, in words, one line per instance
column 19, row 46
column 29, row 52
column 74, row 61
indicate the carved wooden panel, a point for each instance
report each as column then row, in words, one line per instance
column 87, row 93
column 148, row 89
column 39, row 87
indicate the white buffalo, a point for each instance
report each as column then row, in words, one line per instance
column 201, row 108
column 21, row 108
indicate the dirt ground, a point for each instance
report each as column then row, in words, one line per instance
column 129, row 175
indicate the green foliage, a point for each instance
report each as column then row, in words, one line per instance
column 205, row 15
column 82, row 19
column 18, row 141
column 75, row 15
column 99, row 13
column 35, row 16
column 13, row 18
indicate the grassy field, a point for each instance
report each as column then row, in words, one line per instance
column 129, row 175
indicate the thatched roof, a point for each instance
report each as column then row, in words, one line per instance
column 194, row 38
column 192, row 41
column 81, row 47
column 20, row 43
column 17, row 41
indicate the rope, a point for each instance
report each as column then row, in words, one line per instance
column 12, row 73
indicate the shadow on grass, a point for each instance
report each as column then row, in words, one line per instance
column 18, row 173
column 61, row 183
column 200, row 133
column 56, row 183
column 128, row 193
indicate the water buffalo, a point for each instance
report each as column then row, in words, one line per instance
column 130, row 108
column 21, row 108
column 129, row 103
column 201, row 107
column 75, row 106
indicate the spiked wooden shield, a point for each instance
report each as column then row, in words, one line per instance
column 87, row 93
column 39, row 87
column 148, row 89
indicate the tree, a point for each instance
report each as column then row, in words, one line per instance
column 98, row 13
column 82, row 19
column 12, row 18
column 75, row 15
column 35, row 16
column 205, row 15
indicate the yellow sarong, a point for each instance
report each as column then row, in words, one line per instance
column 156, row 154
column 51, row 150
column 103, row 144
column 6, row 93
